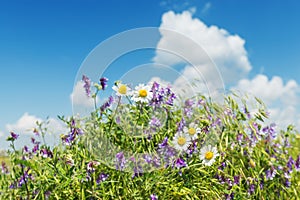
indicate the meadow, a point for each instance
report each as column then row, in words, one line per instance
column 146, row 142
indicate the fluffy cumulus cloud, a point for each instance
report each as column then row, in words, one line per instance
column 214, row 57
column 219, row 48
column 26, row 123
column 281, row 98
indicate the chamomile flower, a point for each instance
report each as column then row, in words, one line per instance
column 142, row 93
column 121, row 89
column 208, row 155
column 181, row 141
column 192, row 130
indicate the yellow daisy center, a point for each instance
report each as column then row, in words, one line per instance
column 181, row 141
column 142, row 93
column 122, row 89
column 192, row 131
column 209, row 155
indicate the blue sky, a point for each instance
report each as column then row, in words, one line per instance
column 43, row 43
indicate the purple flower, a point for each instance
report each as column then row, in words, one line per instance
column 287, row 182
column 156, row 162
column 24, row 178
column 87, row 85
column 251, row 189
column 239, row 138
column 290, row 164
column 35, row 148
column 164, row 143
column 106, row 104
column 147, row 158
column 180, row 125
column 13, row 136
column 102, row 177
column 103, row 82
column 179, row 163
column 297, row 164
column 229, row 196
column 236, row 180
column 4, row 168
column 91, row 166
column 270, row 132
column 46, row 153
column 271, row 173
column 222, row 166
column 155, row 122
column 120, row 161
column 153, row 197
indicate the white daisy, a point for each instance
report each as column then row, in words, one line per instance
column 121, row 89
column 192, row 130
column 142, row 93
column 181, row 141
column 208, row 155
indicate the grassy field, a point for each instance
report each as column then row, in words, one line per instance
column 5, row 159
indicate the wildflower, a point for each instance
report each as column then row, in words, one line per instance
column 120, row 161
column 147, row 158
column 87, row 85
column 46, row 153
column 208, row 155
column 181, row 125
column 192, row 131
column 236, row 180
column 106, row 104
column 103, row 82
column 229, row 196
column 290, row 164
column 153, row 197
column 287, row 182
column 222, row 166
column 297, row 164
column 102, row 177
column 181, row 141
column 4, row 168
column 91, row 166
column 179, row 163
column 154, row 123
column 13, row 136
column 24, row 178
column 251, row 189
column 142, row 93
column 35, row 148
column 121, row 89
column 270, row 132
column 271, row 173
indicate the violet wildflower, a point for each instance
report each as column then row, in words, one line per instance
column 239, row 138
column 181, row 125
column 222, row 166
column 35, row 148
column 229, row 196
column 87, row 85
column 4, row 168
column 154, row 123
column 153, row 197
column 270, row 132
column 120, row 161
column 46, row 153
column 236, row 180
column 106, row 104
column 24, row 178
column 290, row 164
column 91, row 166
column 251, row 189
column 102, row 177
column 13, row 136
column 271, row 173
column 180, row 163
column 103, row 82
column 297, row 164
column 147, row 158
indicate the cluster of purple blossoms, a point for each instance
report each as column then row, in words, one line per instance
column 153, row 197
column 87, row 85
column 270, row 132
column 271, row 173
column 120, row 161
column 106, row 104
column 91, row 166
column 166, row 152
column 103, row 82
column 13, row 136
column 69, row 138
column 102, row 177
column 161, row 95
column 46, row 153
column 188, row 108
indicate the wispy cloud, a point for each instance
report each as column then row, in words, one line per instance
column 206, row 8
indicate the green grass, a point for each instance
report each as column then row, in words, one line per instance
column 5, row 159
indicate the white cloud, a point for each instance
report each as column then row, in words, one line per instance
column 27, row 123
column 206, row 7
column 281, row 98
column 225, row 50
column 24, row 125
column 79, row 97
